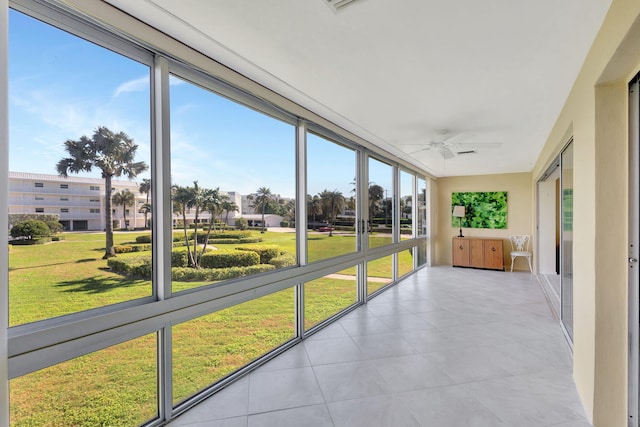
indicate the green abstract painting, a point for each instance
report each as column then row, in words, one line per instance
column 485, row 209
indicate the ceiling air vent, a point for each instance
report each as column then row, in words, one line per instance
column 460, row 153
column 340, row 5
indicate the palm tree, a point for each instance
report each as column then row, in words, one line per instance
column 181, row 198
column 145, row 188
column 333, row 202
column 212, row 203
column 314, row 206
column 113, row 154
column 124, row 198
column 228, row 206
column 261, row 199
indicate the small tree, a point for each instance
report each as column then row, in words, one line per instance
column 124, row 198
column 241, row 223
column 30, row 229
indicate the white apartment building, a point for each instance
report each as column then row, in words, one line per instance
column 77, row 200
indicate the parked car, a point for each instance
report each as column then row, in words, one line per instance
column 325, row 229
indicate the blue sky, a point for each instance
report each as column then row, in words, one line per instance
column 62, row 87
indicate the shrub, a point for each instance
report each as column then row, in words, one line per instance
column 285, row 260
column 250, row 240
column 284, row 223
column 216, row 274
column 123, row 249
column 229, row 258
column 31, row 229
column 179, row 259
column 144, row 238
column 241, row 223
column 25, row 242
column 266, row 252
column 139, row 267
column 57, row 238
column 54, row 227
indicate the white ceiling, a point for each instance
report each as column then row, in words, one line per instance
column 396, row 72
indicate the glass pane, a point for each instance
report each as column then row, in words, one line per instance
column 380, row 203
column 331, row 207
column 328, row 296
column 234, row 182
column 422, row 254
column 207, row 349
column 405, row 261
column 112, row 387
column 421, row 211
column 379, row 273
column 56, row 100
column 567, row 239
column 406, row 205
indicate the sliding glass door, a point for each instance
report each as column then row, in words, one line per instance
column 566, row 248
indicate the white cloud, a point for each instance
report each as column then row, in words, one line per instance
column 136, row 85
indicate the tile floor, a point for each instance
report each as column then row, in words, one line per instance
column 446, row 347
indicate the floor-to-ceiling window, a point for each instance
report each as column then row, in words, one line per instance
column 248, row 226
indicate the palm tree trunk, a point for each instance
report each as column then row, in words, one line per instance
column 124, row 216
column 186, row 236
column 109, row 250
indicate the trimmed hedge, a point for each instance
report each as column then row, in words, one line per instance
column 179, row 259
column 144, row 239
column 27, row 242
column 229, row 258
column 285, row 260
column 140, row 267
column 215, row 274
column 266, row 252
column 236, row 235
column 124, row 249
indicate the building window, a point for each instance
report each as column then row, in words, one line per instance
column 64, row 210
column 94, row 200
column 94, row 210
column 64, row 199
column 39, row 210
column 94, row 188
column 64, row 186
column 39, row 184
column 39, row 198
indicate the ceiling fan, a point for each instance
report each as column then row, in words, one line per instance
column 445, row 143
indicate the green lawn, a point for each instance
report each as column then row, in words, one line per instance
column 117, row 386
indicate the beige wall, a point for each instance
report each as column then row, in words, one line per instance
column 519, row 210
column 595, row 115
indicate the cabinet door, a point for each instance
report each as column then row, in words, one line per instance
column 493, row 257
column 477, row 254
column 460, row 250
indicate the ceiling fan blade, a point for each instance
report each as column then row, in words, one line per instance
column 446, row 153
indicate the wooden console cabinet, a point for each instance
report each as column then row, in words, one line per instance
column 478, row 252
